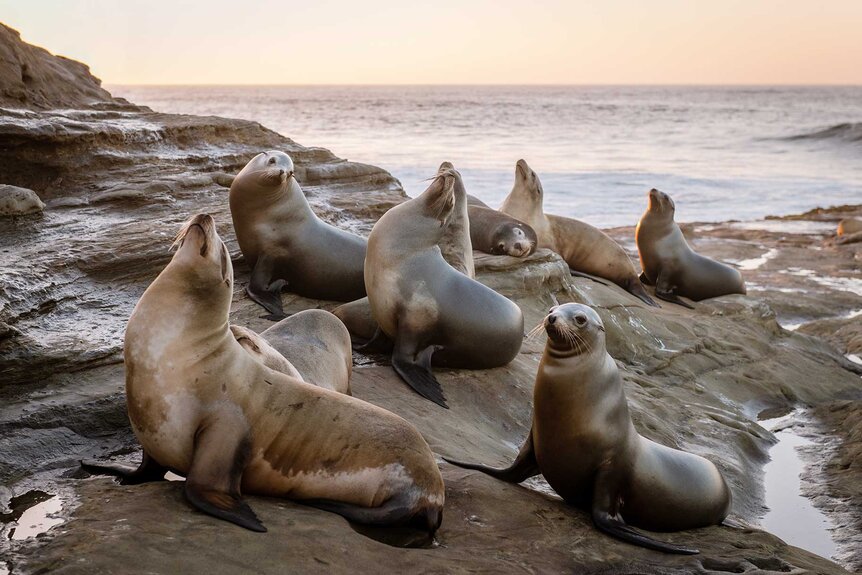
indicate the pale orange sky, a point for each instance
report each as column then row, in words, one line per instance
column 451, row 42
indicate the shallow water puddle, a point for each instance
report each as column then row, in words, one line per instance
column 38, row 518
column 791, row 515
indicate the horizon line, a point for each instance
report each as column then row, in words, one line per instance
column 491, row 85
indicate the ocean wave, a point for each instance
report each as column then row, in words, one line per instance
column 847, row 132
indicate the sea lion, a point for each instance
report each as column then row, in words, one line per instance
column 432, row 312
column 455, row 245
column 585, row 248
column 849, row 231
column 457, row 250
column 260, row 349
column 318, row 346
column 204, row 408
column 583, row 441
column 671, row 265
column 285, row 243
column 496, row 233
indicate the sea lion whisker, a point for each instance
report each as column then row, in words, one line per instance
column 535, row 331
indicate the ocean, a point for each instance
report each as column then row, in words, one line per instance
column 722, row 153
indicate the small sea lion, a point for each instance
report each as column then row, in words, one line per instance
column 285, row 243
column 586, row 249
column 584, row 443
column 671, row 265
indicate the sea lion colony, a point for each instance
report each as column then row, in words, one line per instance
column 238, row 412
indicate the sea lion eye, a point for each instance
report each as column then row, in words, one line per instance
column 581, row 320
column 271, row 160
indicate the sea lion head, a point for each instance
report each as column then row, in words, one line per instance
column 573, row 329
column 660, row 204
column 266, row 170
column 438, row 200
column 512, row 241
column 526, row 179
column 202, row 256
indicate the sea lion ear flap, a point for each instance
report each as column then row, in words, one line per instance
column 440, row 198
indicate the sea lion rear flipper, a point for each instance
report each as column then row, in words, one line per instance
column 524, row 466
column 415, row 370
column 221, row 452
column 637, row 289
column 264, row 291
column 148, row 470
column 379, row 343
column 606, row 516
column 664, row 290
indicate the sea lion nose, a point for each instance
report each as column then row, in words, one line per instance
column 552, row 319
column 281, row 172
column 519, row 246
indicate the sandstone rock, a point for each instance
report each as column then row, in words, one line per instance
column 15, row 201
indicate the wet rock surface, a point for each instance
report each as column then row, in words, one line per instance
column 119, row 180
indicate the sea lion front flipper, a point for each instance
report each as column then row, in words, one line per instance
column 221, row 452
column 664, row 290
column 148, row 470
column 524, row 466
column 644, row 280
column 379, row 343
column 415, row 368
column 606, row 516
column 264, row 291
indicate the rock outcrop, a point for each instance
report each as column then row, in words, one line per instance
column 118, row 181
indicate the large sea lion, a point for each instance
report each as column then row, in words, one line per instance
column 432, row 312
column 585, row 248
column 583, row 441
column 204, row 408
column 671, row 265
column 285, row 243
column 456, row 248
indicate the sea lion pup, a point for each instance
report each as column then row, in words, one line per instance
column 671, row 265
column 285, row 243
column 318, row 346
column 585, row 248
column 496, row 233
column 430, row 310
column 203, row 407
column 457, row 250
column 583, row 441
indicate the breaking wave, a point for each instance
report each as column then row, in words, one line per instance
column 847, row 132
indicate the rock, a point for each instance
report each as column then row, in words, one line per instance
column 31, row 77
column 15, row 201
column 127, row 177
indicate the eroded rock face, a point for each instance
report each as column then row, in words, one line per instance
column 32, row 77
column 120, row 180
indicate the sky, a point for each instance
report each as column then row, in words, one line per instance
column 451, row 41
